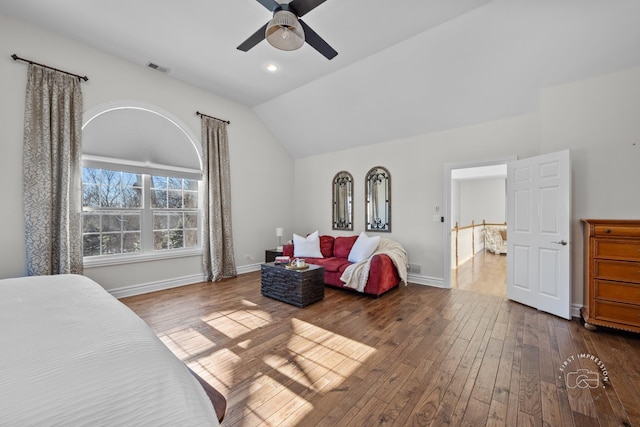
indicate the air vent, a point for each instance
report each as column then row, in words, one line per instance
column 158, row 67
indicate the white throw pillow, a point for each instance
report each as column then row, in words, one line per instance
column 363, row 248
column 308, row 247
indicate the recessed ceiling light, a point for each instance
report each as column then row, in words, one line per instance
column 272, row 67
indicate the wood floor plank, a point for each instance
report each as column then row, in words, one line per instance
column 485, row 381
column 367, row 415
column 502, row 385
column 373, row 381
column 425, row 410
column 550, row 408
column 497, row 414
column 399, row 408
column 583, row 420
column 461, row 380
column 528, row 420
column 581, row 398
column 564, row 406
column 514, row 386
column 417, row 355
column 459, row 411
column 530, row 331
column 476, row 414
column 627, row 395
column 530, row 382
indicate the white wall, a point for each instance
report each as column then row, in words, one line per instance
column 482, row 199
column 454, row 211
column 257, row 160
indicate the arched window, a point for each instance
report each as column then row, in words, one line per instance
column 140, row 184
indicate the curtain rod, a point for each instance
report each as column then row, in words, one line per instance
column 211, row 117
column 17, row 58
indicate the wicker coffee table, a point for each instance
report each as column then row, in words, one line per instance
column 296, row 287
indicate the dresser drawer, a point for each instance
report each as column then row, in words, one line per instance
column 612, row 230
column 619, row 313
column 616, row 270
column 619, row 249
column 615, row 291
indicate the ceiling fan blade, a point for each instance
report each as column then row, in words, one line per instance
column 269, row 4
column 305, row 6
column 256, row 38
column 316, row 42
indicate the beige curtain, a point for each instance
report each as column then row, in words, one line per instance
column 52, row 172
column 218, row 256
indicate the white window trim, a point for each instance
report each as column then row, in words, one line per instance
column 120, row 259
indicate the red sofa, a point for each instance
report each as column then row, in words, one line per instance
column 383, row 275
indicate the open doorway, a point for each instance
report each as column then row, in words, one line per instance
column 475, row 223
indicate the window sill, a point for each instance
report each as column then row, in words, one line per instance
column 104, row 261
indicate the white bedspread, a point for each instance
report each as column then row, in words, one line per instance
column 356, row 275
column 73, row 355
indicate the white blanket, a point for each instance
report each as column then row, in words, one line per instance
column 356, row 275
column 73, row 355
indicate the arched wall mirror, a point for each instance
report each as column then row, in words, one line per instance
column 378, row 202
column 342, row 189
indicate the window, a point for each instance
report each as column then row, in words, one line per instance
column 133, row 213
column 175, row 212
column 141, row 180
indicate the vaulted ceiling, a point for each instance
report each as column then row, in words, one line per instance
column 404, row 67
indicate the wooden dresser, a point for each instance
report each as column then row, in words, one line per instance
column 612, row 274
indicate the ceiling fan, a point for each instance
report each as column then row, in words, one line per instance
column 286, row 31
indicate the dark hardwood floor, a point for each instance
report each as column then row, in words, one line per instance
column 416, row 356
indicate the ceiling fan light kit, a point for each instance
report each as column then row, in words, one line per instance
column 284, row 32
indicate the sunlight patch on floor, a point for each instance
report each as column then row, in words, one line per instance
column 235, row 324
column 187, row 342
column 315, row 361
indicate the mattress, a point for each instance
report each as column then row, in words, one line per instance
column 73, row 355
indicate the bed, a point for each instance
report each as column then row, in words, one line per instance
column 71, row 354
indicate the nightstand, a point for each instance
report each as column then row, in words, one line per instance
column 271, row 254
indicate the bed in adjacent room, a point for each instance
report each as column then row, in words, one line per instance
column 71, row 354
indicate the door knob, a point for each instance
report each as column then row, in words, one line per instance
column 561, row 242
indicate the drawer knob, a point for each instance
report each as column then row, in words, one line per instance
column 608, row 230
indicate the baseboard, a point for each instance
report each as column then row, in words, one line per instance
column 575, row 310
column 425, row 280
column 144, row 288
column 248, row 268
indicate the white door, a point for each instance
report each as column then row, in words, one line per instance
column 538, row 231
